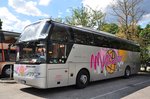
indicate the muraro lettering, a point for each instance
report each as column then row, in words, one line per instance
column 104, row 58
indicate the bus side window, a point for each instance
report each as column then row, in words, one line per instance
column 98, row 40
column 101, row 41
column 79, row 37
column 82, row 37
column 122, row 45
column 57, row 53
column 71, row 35
column 60, row 34
column 60, row 39
column 114, row 43
column 89, row 38
column 55, row 49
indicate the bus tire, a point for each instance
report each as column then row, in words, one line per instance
column 82, row 79
column 127, row 72
column 6, row 71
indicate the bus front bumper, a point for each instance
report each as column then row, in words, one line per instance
column 35, row 82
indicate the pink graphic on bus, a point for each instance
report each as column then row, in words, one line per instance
column 21, row 70
column 106, row 59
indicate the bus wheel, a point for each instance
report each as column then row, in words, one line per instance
column 82, row 79
column 6, row 71
column 127, row 72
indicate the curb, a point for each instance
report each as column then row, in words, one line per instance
column 142, row 72
column 140, row 94
column 7, row 80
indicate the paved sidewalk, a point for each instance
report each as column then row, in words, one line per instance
column 141, row 94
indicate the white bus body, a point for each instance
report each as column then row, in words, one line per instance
column 83, row 64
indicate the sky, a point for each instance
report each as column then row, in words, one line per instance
column 16, row 14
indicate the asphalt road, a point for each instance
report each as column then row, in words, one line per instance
column 115, row 88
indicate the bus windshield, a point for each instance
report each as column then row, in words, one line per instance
column 31, row 52
column 35, row 31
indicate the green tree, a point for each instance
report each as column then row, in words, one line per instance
column 58, row 20
column 87, row 17
column 144, row 35
column 97, row 19
column 128, row 13
column 79, row 16
column 1, row 24
column 110, row 28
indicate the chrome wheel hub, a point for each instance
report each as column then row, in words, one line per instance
column 128, row 72
column 8, row 71
column 83, row 79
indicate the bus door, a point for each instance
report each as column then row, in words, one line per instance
column 59, row 49
column 57, row 67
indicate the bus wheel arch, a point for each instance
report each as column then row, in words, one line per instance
column 127, row 72
column 6, row 70
column 82, row 78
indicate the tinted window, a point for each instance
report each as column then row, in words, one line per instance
column 57, row 53
column 135, row 48
column 45, row 28
column 123, row 45
column 101, row 41
column 82, row 37
column 60, row 33
column 128, row 46
column 114, row 43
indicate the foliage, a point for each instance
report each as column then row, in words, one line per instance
column 58, row 20
column 86, row 17
column 79, row 16
column 110, row 28
column 128, row 13
column 144, row 35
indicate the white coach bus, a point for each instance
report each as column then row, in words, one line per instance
column 52, row 54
